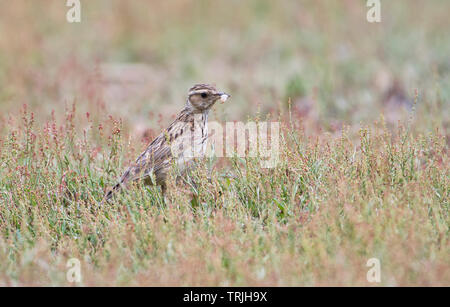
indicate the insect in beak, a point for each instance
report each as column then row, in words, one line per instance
column 224, row 97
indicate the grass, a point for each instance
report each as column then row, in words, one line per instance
column 329, row 206
column 363, row 172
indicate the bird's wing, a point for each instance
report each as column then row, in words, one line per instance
column 157, row 156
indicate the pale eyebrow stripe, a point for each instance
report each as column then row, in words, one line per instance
column 198, row 92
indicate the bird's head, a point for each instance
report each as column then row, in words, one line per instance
column 202, row 97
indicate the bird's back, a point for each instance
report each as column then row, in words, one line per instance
column 178, row 145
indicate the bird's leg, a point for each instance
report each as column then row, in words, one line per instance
column 164, row 192
column 163, row 189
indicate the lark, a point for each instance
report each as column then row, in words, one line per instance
column 179, row 145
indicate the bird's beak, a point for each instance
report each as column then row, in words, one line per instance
column 223, row 96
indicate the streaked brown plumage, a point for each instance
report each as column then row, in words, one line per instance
column 184, row 140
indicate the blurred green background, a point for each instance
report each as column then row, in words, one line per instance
column 135, row 59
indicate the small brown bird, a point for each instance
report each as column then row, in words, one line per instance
column 183, row 141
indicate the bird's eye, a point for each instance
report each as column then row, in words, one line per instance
column 204, row 95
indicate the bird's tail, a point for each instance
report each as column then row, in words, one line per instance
column 122, row 182
column 110, row 193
